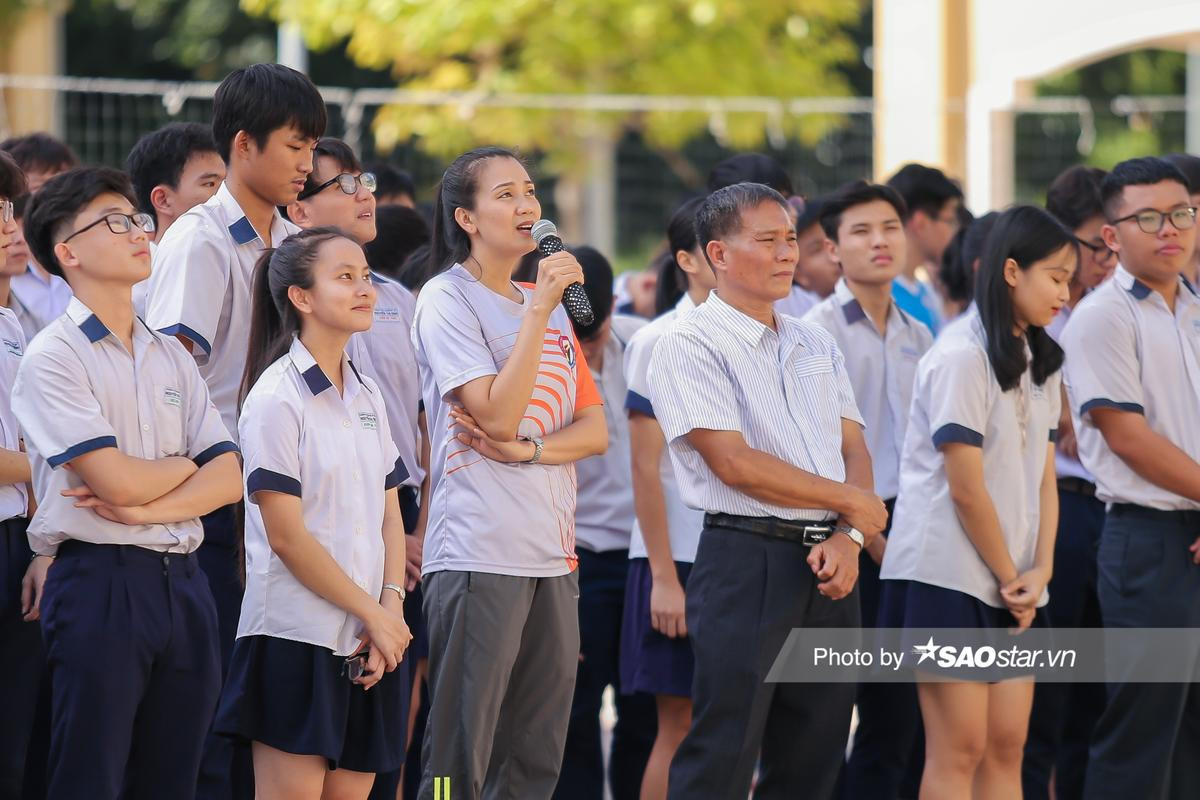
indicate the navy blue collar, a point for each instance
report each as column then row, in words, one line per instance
column 242, row 231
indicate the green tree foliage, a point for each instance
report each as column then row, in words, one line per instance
column 770, row 48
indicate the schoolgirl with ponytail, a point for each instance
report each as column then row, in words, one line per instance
column 322, row 619
column 511, row 405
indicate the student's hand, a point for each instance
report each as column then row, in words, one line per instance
column 1067, row 443
column 126, row 515
column 1024, row 618
column 1194, row 549
column 835, row 563
column 864, row 511
column 876, row 547
column 667, row 607
column 414, row 553
column 555, row 273
column 1025, row 591
column 386, row 630
column 32, row 585
column 473, row 436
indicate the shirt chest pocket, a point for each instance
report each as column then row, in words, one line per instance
column 813, row 368
column 170, row 420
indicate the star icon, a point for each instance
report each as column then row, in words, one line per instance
column 925, row 651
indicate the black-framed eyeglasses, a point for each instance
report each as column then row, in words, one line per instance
column 347, row 182
column 7, row 211
column 1100, row 251
column 1151, row 221
column 119, row 223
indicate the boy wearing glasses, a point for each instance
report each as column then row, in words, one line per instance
column 1133, row 376
column 127, row 452
column 266, row 121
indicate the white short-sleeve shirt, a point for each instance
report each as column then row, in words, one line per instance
column 882, row 370
column 683, row 524
column 77, row 390
column 798, row 302
column 957, row 399
column 1064, row 465
column 14, row 500
column 45, row 297
column 334, row 452
column 604, row 503
column 203, row 270
column 1126, row 350
column 485, row 516
column 786, row 391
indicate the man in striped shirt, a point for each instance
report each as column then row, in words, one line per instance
column 766, row 439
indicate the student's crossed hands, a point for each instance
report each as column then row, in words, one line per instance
column 473, row 436
column 386, row 638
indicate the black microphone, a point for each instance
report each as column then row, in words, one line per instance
column 574, row 297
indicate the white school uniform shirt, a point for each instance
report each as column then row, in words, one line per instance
column 385, row 352
column 485, row 516
column 1126, row 350
column 798, row 302
column 78, row 390
column 786, row 391
column 334, row 452
column 882, row 370
column 14, row 499
column 200, row 287
column 683, row 524
column 141, row 289
column 957, row 399
column 30, row 323
column 45, row 298
column 1064, row 465
column 604, row 502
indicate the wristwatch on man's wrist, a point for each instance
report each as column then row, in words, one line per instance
column 537, row 449
column 853, row 533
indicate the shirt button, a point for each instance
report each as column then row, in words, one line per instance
column 145, row 427
column 345, row 423
column 354, row 475
column 358, row 529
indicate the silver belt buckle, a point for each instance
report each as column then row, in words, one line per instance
column 815, row 534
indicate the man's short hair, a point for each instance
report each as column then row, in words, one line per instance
column 856, row 194
column 262, row 98
column 39, row 152
column 720, row 214
column 924, row 189
column 340, row 152
column 159, row 157
column 1144, row 171
column 12, row 178
column 60, row 200
column 399, row 232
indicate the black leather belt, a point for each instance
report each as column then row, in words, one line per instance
column 1077, row 486
column 800, row 531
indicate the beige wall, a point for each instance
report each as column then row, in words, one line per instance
column 31, row 47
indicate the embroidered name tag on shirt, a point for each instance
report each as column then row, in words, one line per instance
column 369, row 421
column 911, row 352
column 387, row 314
column 13, row 347
column 172, row 397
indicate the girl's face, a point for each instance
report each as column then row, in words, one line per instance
column 1041, row 290
column 505, row 208
column 342, row 297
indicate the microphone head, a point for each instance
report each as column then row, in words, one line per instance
column 541, row 229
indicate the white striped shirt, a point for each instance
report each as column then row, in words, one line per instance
column 785, row 391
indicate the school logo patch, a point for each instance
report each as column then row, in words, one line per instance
column 568, row 348
column 173, row 397
column 13, row 347
column 369, row 421
column 387, row 314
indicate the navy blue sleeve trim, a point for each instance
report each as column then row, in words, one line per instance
column 958, row 434
column 635, row 402
column 217, row 449
column 75, row 451
column 175, row 330
column 264, row 480
column 1054, row 435
column 1104, row 402
column 396, row 477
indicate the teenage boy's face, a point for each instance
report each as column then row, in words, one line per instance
column 1157, row 258
column 342, row 297
column 14, row 258
column 98, row 253
column 8, row 231
column 199, row 181
column 760, row 259
column 1096, row 262
column 816, row 270
column 871, row 243
column 353, row 213
column 932, row 234
column 35, row 179
column 276, row 172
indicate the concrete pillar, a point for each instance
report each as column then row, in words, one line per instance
column 31, row 47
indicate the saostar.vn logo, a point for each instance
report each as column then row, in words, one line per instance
column 988, row 657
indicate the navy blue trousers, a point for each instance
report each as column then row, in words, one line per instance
column 131, row 641
column 602, row 579
column 1064, row 714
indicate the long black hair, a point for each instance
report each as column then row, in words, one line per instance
column 450, row 244
column 681, row 235
column 1026, row 234
column 274, row 321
